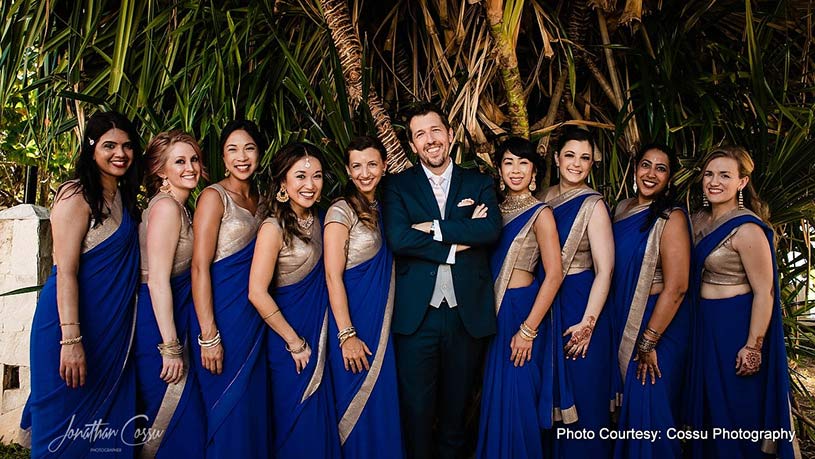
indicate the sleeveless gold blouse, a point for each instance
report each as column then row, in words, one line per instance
column 723, row 266
column 110, row 224
column 238, row 226
column 183, row 250
column 529, row 254
column 298, row 258
column 363, row 242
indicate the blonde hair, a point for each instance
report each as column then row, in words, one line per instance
column 156, row 156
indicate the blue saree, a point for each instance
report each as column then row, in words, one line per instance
column 96, row 419
column 645, row 407
column 173, row 415
column 509, row 425
column 588, row 381
column 760, row 402
column 304, row 421
column 367, row 402
column 236, row 400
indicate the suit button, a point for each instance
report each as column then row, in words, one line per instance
column 432, row 273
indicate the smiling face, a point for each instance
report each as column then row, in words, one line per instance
column 517, row 173
column 574, row 162
column 653, row 174
column 365, row 167
column 182, row 168
column 431, row 140
column 304, row 183
column 113, row 153
column 721, row 182
column 240, row 155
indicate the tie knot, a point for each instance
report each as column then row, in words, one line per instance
column 437, row 180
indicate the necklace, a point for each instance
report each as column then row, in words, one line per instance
column 305, row 223
column 513, row 203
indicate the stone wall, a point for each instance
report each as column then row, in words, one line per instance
column 25, row 261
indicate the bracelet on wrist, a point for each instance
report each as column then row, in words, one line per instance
column 216, row 340
column 302, row 348
column 69, row 341
column 527, row 332
column 172, row 348
column 270, row 314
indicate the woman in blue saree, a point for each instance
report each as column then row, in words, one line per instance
column 287, row 287
column 526, row 276
column 650, row 321
column 168, row 396
column 83, row 326
column 231, row 369
column 584, row 372
column 360, row 278
column 738, row 317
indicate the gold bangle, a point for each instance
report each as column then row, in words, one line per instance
column 65, row 324
column 66, row 342
column 302, row 347
column 270, row 314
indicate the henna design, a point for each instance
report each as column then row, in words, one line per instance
column 752, row 361
column 584, row 334
column 759, row 343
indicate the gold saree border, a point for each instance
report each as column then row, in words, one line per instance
column 172, row 396
column 561, row 199
column 354, row 411
column 625, row 209
column 722, row 220
column 579, row 226
column 319, row 370
column 567, row 416
column 502, row 281
column 637, row 308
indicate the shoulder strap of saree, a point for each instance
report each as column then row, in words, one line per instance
column 581, row 222
column 502, row 280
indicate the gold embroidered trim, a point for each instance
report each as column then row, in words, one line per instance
column 722, row 220
column 351, row 416
column 502, row 281
column 172, row 396
column 637, row 307
column 628, row 207
column 567, row 416
column 581, row 222
column 319, row 370
column 561, row 199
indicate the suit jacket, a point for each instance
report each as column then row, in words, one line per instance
column 409, row 199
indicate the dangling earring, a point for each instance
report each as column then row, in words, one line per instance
column 588, row 179
column 165, row 186
column 635, row 186
column 226, row 173
column 705, row 202
column 741, row 199
column 282, row 196
column 532, row 186
column 501, row 185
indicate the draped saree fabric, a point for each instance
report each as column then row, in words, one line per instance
column 645, row 407
column 588, row 381
column 97, row 418
column 718, row 398
column 367, row 402
column 173, row 414
column 303, row 415
column 509, row 426
column 235, row 400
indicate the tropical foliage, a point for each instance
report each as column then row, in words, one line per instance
column 692, row 74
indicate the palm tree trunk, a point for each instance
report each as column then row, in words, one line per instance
column 349, row 48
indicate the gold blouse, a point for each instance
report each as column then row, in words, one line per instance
column 183, row 249
column 723, row 265
column 363, row 242
column 238, row 226
column 529, row 254
column 298, row 258
column 110, row 224
column 582, row 260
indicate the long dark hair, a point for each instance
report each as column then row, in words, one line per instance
column 87, row 178
column 282, row 161
column 366, row 213
column 521, row 148
column 665, row 201
column 746, row 167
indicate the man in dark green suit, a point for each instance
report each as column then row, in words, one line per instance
column 440, row 221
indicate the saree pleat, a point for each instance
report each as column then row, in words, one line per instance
column 649, row 406
column 509, row 425
column 62, row 419
column 173, row 413
column 236, row 401
column 588, row 381
column 367, row 402
column 718, row 398
column 304, row 420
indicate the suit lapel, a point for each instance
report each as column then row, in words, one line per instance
column 425, row 192
column 455, row 184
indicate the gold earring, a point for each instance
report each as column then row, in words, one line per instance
column 165, row 186
column 501, row 185
column 532, row 186
column 705, row 202
column 282, row 196
column 741, row 199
